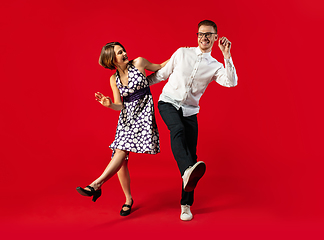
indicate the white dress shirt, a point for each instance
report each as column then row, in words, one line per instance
column 189, row 72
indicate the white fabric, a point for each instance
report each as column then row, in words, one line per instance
column 189, row 72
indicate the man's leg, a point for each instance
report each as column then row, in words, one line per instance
column 191, row 132
column 191, row 128
column 184, row 135
column 173, row 119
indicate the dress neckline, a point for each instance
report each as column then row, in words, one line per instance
column 129, row 66
column 119, row 79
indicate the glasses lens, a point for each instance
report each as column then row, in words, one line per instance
column 207, row 35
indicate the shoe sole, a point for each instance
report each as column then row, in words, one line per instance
column 82, row 192
column 186, row 219
column 195, row 176
column 125, row 213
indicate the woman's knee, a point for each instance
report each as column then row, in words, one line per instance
column 120, row 152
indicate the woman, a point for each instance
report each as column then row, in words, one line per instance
column 136, row 129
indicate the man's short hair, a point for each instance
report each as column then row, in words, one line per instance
column 208, row 23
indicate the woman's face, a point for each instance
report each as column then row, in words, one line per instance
column 120, row 56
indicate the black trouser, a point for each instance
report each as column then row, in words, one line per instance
column 184, row 135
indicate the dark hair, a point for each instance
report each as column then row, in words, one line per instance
column 107, row 55
column 208, row 23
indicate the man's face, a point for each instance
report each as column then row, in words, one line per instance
column 206, row 43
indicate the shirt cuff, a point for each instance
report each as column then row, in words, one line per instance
column 230, row 60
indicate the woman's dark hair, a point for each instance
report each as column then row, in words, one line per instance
column 107, row 55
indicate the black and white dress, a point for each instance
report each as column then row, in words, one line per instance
column 136, row 130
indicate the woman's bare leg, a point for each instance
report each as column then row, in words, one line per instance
column 124, row 179
column 113, row 167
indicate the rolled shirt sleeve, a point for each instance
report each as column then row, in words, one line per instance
column 227, row 76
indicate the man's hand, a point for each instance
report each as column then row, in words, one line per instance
column 225, row 46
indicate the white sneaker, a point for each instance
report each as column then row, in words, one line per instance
column 186, row 214
column 192, row 175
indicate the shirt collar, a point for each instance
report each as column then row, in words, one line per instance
column 207, row 56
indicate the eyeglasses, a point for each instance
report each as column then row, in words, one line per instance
column 207, row 34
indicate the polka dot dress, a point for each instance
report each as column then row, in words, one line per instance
column 136, row 129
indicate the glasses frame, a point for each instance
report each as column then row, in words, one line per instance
column 205, row 34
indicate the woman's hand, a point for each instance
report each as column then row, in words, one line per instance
column 164, row 63
column 105, row 101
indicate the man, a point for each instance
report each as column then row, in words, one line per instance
column 190, row 70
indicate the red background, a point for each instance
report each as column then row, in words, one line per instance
column 261, row 141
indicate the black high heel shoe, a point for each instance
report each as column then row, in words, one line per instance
column 92, row 192
column 127, row 212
